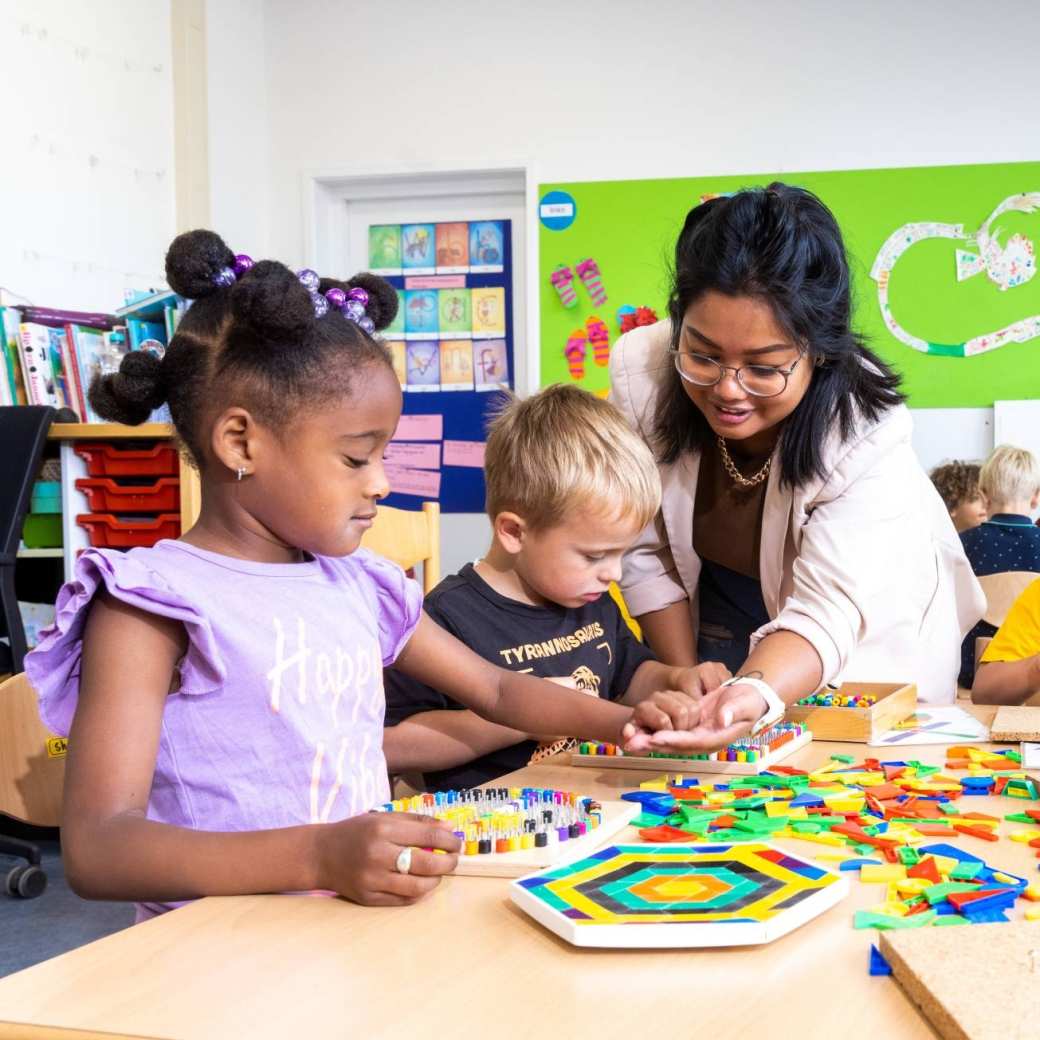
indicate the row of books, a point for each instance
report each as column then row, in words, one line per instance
column 50, row 357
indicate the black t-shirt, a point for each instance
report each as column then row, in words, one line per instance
column 590, row 644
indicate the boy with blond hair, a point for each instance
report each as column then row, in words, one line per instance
column 569, row 488
column 1008, row 541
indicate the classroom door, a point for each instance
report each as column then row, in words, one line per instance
column 464, row 536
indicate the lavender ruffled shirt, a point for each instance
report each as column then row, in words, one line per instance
column 278, row 718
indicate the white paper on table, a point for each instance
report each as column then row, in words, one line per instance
column 1030, row 755
column 946, row 724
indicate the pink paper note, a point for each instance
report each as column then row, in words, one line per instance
column 422, row 456
column 464, row 453
column 420, row 428
column 436, row 281
column 407, row 481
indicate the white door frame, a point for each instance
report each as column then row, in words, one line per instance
column 324, row 217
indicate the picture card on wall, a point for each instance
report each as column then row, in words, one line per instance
column 489, row 312
column 486, row 246
column 417, row 249
column 419, row 456
column 455, row 315
column 397, row 355
column 384, row 249
column 456, row 364
column 395, row 330
column 423, row 367
column 464, row 453
column 453, row 248
column 420, row 314
column 419, row 428
column 404, row 480
column 490, row 364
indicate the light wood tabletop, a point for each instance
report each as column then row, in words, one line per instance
column 466, row 962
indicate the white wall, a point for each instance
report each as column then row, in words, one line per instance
column 86, row 182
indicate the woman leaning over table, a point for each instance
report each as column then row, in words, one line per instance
column 799, row 540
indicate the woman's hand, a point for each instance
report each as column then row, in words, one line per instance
column 358, row 857
column 725, row 714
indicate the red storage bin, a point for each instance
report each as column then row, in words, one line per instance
column 108, row 460
column 106, row 496
column 108, row 532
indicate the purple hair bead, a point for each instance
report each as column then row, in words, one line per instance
column 321, row 305
column 309, row 279
column 337, row 297
column 367, row 324
column 354, row 310
column 242, row 263
column 359, row 294
column 224, row 277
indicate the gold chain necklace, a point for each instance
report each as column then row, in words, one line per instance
column 737, row 476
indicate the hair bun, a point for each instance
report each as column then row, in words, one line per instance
column 382, row 297
column 272, row 301
column 193, row 262
column 131, row 394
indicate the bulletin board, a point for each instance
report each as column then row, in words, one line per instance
column 452, row 347
column 942, row 258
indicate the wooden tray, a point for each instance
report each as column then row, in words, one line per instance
column 895, row 702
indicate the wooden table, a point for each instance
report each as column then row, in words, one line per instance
column 465, row 963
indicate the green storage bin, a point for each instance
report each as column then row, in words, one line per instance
column 46, row 497
column 42, row 531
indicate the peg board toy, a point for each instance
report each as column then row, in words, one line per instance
column 510, row 831
column 1013, row 723
column 970, row 983
column 652, row 896
column 856, row 723
column 748, row 757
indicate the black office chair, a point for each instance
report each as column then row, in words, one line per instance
column 23, row 436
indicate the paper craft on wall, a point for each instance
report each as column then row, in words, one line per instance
column 1007, row 267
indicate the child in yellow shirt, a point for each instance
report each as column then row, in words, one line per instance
column 1009, row 672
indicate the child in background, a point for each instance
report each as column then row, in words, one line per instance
column 1008, row 541
column 223, row 692
column 569, row 488
column 958, row 484
column 1009, row 671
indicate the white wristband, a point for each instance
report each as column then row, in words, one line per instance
column 775, row 707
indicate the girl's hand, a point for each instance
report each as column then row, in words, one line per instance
column 726, row 714
column 358, row 857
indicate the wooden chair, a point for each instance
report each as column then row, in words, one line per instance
column 409, row 537
column 32, row 777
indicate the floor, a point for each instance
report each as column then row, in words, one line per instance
column 37, row 929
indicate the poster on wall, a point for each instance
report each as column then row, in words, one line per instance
column 942, row 260
column 452, row 348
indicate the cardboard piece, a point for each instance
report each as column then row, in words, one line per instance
column 1014, row 723
column 971, row 983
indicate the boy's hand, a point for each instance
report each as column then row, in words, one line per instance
column 358, row 857
column 666, row 710
column 726, row 714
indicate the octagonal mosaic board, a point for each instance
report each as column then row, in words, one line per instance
column 653, row 896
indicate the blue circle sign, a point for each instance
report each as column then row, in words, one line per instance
column 557, row 210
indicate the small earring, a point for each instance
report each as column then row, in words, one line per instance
column 240, row 472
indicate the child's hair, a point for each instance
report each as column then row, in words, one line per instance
column 251, row 338
column 781, row 245
column 956, row 482
column 564, row 449
column 1010, row 475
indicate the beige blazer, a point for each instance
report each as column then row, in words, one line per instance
column 864, row 563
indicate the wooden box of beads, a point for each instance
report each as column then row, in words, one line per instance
column 857, row 712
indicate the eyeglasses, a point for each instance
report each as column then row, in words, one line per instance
column 757, row 380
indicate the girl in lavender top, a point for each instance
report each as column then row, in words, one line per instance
column 223, row 692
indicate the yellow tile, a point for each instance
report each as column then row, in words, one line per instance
column 881, row 873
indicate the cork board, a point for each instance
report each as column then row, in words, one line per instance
column 1016, row 723
column 971, row 983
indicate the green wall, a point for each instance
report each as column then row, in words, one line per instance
column 629, row 227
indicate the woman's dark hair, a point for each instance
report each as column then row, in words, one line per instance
column 782, row 245
column 256, row 341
